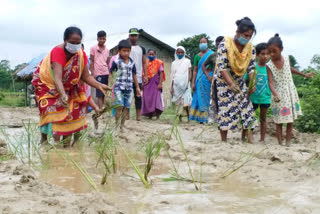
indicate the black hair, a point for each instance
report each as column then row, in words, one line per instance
column 276, row 40
column 71, row 30
column 260, row 47
column 82, row 45
column 204, row 38
column 101, row 33
column 152, row 50
column 245, row 25
column 219, row 39
column 124, row 44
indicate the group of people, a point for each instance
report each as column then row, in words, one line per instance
column 230, row 84
column 226, row 86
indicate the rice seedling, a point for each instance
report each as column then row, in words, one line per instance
column 175, row 131
column 24, row 146
column 152, row 152
column 252, row 83
column 65, row 155
column 135, row 167
column 244, row 159
column 107, row 149
column 236, row 85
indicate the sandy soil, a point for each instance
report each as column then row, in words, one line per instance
column 278, row 179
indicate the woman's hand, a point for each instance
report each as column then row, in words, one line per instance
column 98, row 112
column 235, row 88
column 171, row 91
column 193, row 87
column 64, row 100
column 160, row 86
column 309, row 75
column 104, row 88
column 146, row 80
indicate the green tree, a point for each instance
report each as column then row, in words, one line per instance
column 7, row 80
column 191, row 44
column 20, row 66
column 293, row 62
column 315, row 61
column 5, row 75
column 5, row 65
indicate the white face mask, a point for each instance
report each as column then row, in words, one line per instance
column 72, row 48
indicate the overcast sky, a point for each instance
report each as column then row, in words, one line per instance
column 31, row 27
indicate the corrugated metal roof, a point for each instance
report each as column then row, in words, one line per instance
column 31, row 67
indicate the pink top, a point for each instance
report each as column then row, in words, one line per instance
column 100, row 57
column 112, row 59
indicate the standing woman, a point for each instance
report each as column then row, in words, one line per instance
column 152, row 102
column 62, row 103
column 180, row 85
column 235, row 57
column 201, row 84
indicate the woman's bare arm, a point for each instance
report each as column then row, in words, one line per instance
column 86, row 77
column 57, row 77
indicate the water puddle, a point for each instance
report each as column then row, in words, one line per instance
column 125, row 190
column 220, row 196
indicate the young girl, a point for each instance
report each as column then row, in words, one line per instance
column 285, row 106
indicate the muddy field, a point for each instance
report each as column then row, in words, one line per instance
column 266, row 178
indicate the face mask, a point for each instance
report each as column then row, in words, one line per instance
column 151, row 58
column 243, row 41
column 180, row 56
column 72, row 48
column 203, row 46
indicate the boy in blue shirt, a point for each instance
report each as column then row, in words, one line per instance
column 126, row 77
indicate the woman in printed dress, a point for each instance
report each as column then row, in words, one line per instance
column 235, row 57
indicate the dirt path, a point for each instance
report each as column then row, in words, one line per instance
column 277, row 179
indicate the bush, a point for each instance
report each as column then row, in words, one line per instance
column 310, row 103
column 310, row 121
column 1, row 96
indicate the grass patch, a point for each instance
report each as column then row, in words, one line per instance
column 12, row 99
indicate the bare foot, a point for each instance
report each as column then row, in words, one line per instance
column 288, row 143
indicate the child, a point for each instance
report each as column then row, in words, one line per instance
column 99, row 56
column 286, row 106
column 126, row 77
column 262, row 96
